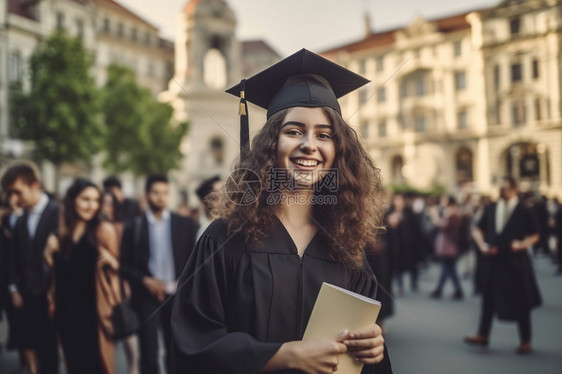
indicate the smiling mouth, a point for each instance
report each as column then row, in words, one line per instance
column 306, row 163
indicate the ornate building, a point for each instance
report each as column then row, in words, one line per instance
column 461, row 101
column 208, row 59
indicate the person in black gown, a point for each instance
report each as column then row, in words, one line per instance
column 75, row 258
column 298, row 210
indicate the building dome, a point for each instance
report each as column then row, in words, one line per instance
column 208, row 8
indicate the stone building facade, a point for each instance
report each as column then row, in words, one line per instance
column 461, row 101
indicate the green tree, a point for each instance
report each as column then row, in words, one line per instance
column 61, row 113
column 141, row 136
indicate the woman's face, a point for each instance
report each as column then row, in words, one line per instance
column 87, row 203
column 305, row 145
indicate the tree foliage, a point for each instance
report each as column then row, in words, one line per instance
column 141, row 136
column 61, row 113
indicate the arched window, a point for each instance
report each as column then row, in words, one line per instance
column 396, row 167
column 217, row 150
column 214, row 69
column 528, row 161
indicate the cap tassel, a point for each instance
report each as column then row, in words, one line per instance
column 244, row 121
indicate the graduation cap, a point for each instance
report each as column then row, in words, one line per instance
column 303, row 79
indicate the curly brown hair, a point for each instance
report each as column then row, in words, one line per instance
column 349, row 225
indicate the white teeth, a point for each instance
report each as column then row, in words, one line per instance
column 307, row 162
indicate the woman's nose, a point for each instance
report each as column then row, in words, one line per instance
column 308, row 144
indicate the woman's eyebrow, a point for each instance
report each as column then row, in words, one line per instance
column 295, row 123
column 300, row 124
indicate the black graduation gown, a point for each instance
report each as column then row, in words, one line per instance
column 509, row 276
column 237, row 303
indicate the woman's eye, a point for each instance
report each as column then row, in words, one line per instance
column 325, row 136
column 293, row 132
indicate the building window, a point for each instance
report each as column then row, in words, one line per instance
column 380, row 63
column 147, row 38
column 134, row 34
column 515, row 26
column 363, row 95
column 119, row 29
column 518, row 112
column 169, row 71
column 462, row 119
column 464, row 166
column 382, row 129
column 457, row 46
column 217, row 150
column 397, row 165
column 516, row 73
column 420, row 124
column 497, row 79
column 60, row 20
column 106, row 25
column 538, row 108
column 535, row 69
column 362, row 67
column 420, row 87
column 80, row 28
column 381, row 94
column 365, row 129
column 498, row 110
column 16, row 67
column 460, row 80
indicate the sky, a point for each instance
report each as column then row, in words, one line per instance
column 289, row 25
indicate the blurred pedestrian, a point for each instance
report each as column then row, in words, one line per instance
column 540, row 215
column 504, row 234
column 379, row 261
column 558, row 233
column 448, row 245
column 10, row 211
column 155, row 248
column 207, row 192
column 85, row 248
column 404, row 242
column 130, row 343
column 28, row 277
column 125, row 208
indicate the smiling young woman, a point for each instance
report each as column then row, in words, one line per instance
column 83, row 245
column 248, row 290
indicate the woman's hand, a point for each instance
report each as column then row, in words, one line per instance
column 318, row 356
column 51, row 248
column 106, row 258
column 366, row 346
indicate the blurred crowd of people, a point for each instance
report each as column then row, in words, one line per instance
column 491, row 243
column 58, row 259
column 65, row 264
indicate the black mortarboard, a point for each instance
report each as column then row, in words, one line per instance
column 302, row 79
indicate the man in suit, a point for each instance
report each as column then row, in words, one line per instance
column 509, row 288
column 28, row 277
column 154, row 250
